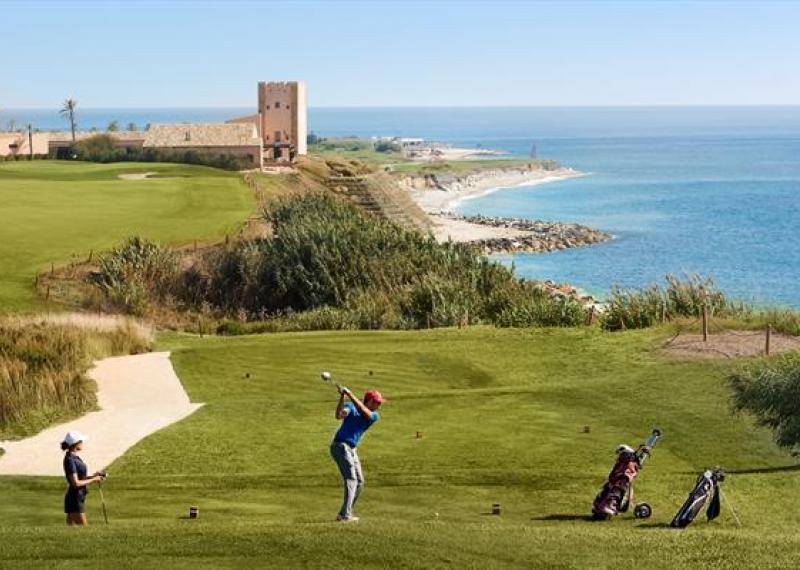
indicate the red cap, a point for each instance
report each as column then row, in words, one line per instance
column 373, row 395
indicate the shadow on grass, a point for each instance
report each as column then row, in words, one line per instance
column 654, row 525
column 563, row 517
column 753, row 471
column 756, row 471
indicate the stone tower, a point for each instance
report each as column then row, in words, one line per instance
column 282, row 118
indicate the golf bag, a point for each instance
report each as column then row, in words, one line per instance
column 617, row 494
column 707, row 486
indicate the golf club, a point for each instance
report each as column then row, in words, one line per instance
column 103, row 474
column 328, row 379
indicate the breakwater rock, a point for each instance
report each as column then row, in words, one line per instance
column 518, row 235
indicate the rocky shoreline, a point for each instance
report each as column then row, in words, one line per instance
column 519, row 235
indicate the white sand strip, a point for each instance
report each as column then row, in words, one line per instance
column 136, row 176
column 137, row 395
column 481, row 184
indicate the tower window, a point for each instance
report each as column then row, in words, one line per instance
column 277, row 104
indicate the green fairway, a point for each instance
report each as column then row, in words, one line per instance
column 52, row 211
column 501, row 415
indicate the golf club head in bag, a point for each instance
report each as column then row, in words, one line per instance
column 617, row 493
column 706, row 487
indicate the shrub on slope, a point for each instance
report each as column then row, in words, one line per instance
column 325, row 253
column 769, row 388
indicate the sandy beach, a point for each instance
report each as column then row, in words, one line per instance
column 451, row 193
column 440, row 201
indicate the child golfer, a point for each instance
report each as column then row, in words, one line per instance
column 75, row 472
column 357, row 417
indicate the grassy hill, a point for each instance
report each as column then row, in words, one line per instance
column 502, row 415
column 54, row 210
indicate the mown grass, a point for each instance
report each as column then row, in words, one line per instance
column 355, row 149
column 502, row 414
column 70, row 209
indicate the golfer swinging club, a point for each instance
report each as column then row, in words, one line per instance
column 75, row 472
column 357, row 417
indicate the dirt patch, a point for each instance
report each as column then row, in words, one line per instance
column 729, row 344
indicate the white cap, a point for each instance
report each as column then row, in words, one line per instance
column 74, row 437
column 624, row 448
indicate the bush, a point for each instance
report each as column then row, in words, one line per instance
column 99, row 148
column 543, row 311
column 105, row 148
column 137, row 273
column 641, row 308
column 769, row 388
column 331, row 266
column 387, row 146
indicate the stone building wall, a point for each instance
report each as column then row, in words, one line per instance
column 282, row 111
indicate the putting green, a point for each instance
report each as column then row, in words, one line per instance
column 55, row 211
column 502, row 416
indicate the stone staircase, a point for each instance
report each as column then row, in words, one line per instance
column 377, row 199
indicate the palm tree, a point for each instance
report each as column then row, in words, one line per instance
column 68, row 112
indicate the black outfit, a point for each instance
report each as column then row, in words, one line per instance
column 76, row 496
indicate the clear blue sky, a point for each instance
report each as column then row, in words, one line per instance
column 187, row 53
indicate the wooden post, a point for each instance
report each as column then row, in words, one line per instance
column 766, row 344
column 705, row 323
column 591, row 315
column 664, row 312
column 428, row 319
column 91, row 254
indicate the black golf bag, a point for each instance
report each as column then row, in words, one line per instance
column 707, row 487
column 617, row 494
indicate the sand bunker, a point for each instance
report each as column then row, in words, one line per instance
column 137, row 395
column 136, row 175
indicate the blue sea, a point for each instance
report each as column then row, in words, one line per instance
column 711, row 190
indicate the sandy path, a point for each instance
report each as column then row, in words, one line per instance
column 137, row 395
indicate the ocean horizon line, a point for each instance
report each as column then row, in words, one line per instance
column 435, row 107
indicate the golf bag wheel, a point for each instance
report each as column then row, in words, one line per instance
column 642, row 511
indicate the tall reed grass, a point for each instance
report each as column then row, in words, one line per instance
column 43, row 366
column 345, row 267
column 649, row 306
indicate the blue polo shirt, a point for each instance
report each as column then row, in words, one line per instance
column 354, row 425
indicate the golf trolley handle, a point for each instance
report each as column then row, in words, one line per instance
column 648, row 446
column 651, row 441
